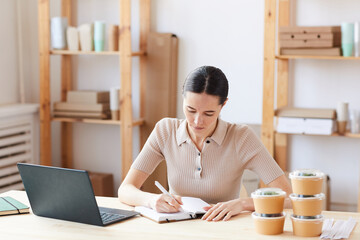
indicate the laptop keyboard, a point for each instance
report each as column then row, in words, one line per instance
column 109, row 217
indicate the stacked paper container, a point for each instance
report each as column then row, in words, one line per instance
column 307, row 202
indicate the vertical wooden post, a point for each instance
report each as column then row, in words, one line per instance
column 267, row 128
column 145, row 9
column 282, row 88
column 125, row 95
column 66, row 85
column 44, row 51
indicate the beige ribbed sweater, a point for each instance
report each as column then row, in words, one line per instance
column 214, row 174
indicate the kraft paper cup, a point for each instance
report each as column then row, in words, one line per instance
column 307, row 206
column 307, row 227
column 306, row 181
column 268, row 200
column 269, row 225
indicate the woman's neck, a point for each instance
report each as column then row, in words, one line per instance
column 199, row 140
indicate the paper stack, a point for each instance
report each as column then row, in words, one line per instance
column 323, row 41
column 84, row 104
column 341, row 229
column 306, row 121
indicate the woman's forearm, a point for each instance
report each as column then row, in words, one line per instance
column 133, row 196
column 247, row 204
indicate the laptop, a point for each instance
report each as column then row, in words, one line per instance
column 66, row 194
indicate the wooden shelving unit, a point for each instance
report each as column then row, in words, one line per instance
column 126, row 122
column 276, row 143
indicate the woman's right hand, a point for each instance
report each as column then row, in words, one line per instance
column 165, row 204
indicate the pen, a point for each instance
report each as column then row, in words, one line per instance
column 163, row 190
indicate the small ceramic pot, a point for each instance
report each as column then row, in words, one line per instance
column 269, row 225
column 304, row 227
column 268, row 200
column 306, row 181
column 307, row 206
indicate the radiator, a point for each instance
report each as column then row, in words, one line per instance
column 18, row 142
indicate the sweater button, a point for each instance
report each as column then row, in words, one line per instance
column 199, row 154
column 199, row 169
column 208, row 141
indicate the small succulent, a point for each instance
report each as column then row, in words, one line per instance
column 305, row 174
column 269, row 193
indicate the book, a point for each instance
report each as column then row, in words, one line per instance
column 9, row 205
column 191, row 208
column 81, row 107
column 95, row 115
column 306, row 112
column 311, row 51
column 87, row 96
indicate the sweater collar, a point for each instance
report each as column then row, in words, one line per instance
column 218, row 136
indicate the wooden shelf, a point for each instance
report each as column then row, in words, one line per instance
column 137, row 122
column 316, row 57
column 347, row 134
column 117, row 53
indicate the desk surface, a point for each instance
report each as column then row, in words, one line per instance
column 30, row 226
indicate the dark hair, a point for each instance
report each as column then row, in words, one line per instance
column 209, row 80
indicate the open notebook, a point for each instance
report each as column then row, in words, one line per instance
column 191, row 208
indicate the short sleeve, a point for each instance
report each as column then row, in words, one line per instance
column 152, row 153
column 255, row 156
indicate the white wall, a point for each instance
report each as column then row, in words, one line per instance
column 227, row 34
column 323, row 84
column 8, row 53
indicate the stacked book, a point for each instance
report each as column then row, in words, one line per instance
column 306, row 121
column 84, row 104
column 315, row 41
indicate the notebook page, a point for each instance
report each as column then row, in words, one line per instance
column 194, row 205
column 163, row 217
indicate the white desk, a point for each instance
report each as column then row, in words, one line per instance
column 30, row 226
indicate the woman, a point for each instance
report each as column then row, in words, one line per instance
column 205, row 156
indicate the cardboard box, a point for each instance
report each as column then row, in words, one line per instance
column 312, row 43
column 311, row 51
column 306, row 126
column 319, row 126
column 81, row 107
column 306, row 112
column 310, row 37
column 93, row 115
column 290, row 125
column 102, row 183
column 309, row 29
column 87, row 96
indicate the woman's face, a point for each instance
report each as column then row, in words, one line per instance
column 201, row 111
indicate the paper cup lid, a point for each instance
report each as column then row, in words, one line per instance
column 294, row 196
column 306, row 173
column 268, row 192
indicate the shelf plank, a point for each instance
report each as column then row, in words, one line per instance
column 137, row 122
column 68, row 52
column 316, row 57
column 347, row 134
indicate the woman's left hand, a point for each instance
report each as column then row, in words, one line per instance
column 223, row 210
